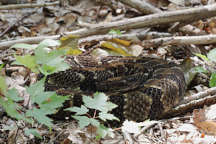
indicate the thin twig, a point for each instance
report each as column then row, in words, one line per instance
column 146, row 128
column 29, row 5
column 142, row 6
column 204, row 39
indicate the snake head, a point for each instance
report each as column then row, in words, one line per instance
column 187, row 67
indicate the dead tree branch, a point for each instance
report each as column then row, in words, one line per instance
column 204, row 39
column 198, row 100
column 32, row 40
column 210, row 91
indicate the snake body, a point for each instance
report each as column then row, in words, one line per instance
column 141, row 87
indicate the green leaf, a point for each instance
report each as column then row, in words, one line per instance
column 107, row 116
column 47, row 101
column 110, row 106
column 212, row 82
column 212, row 55
column 50, row 43
column 103, row 131
column 46, row 69
column 24, row 46
column 1, row 66
column 202, row 56
column 94, row 122
column 28, row 61
column 51, row 61
column 36, row 92
column 3, row 86
column 11, row 108
column 13, row 94
column 115, row 31
column 83, row 121
column 79, row 111
column 53, row 102
column 40, row 116
column 98, row 102
column 33, row 132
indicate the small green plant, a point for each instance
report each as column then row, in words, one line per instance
column 115, row 31
column 42, row 61
column 45, row 103
column 210, row 59
column 101, row 107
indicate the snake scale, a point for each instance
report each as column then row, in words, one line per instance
column 142, row 87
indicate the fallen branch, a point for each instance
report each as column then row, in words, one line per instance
column 144, row 21
column 197, row 101
column 125, row 36
column 210, row 91
column 142, row 6
column 208, row 100
column 33, row 40
column 204, row 39
column 153, row 19
column 29, row 5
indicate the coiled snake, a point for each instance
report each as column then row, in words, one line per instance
column 141, row 87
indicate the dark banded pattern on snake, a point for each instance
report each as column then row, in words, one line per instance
column 141, row 87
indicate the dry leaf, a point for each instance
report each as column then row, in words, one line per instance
column 122, row 42
column 207, row 126
column 119, row 50
column 70, row 43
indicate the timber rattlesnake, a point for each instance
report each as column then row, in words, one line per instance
column 141, row 87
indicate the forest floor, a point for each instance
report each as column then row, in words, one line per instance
column 168, row 29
